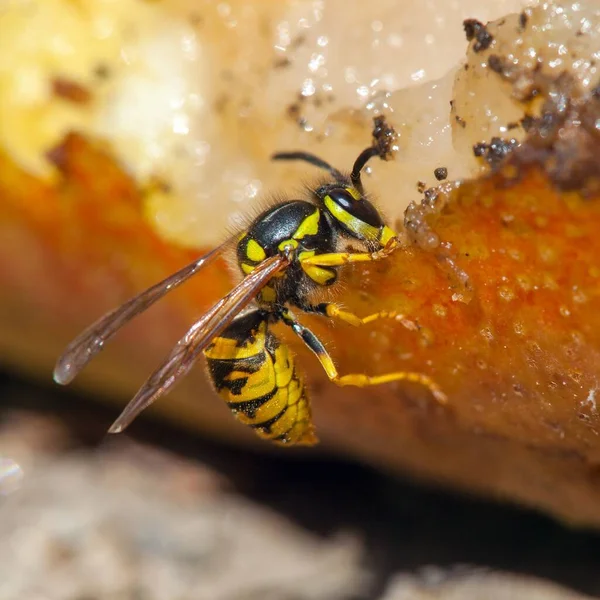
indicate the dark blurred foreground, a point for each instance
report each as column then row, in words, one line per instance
column 158, row 514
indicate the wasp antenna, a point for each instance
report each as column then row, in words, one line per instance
column 311, row 159
column 359, row 164
column 383, row 138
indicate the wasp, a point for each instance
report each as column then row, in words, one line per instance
column 286, row 255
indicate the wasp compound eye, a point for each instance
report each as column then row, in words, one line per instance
column 355, row 205
column 353, row 213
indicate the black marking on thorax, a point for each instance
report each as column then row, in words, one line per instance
column 281, row 222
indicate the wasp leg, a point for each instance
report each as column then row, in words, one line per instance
column 334, row 311
column 338, row 259
column 357, row 379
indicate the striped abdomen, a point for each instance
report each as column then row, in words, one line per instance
column 255, row 374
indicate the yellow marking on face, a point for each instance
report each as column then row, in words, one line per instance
column 287, row 243
column 254, row 251
column 360, row 228
column 320, row 275
column 354, row 193
column 247, row 268
column 386, row 235
column 310, row 226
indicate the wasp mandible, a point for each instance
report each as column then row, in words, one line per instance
column 288, row 252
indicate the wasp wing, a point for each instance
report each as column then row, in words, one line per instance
column 86, row 345
column 198, row 337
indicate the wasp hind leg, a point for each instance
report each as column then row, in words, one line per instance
column 358, row 379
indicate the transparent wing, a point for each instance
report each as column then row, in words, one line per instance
column 198, row 337
column 86, row 345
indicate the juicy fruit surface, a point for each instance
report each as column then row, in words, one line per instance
column 518, row 357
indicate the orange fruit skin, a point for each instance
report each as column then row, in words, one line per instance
column 518, row 357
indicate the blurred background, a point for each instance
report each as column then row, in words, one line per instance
column 158, row 514
column 133, row 133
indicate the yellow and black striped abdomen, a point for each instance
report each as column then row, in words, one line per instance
column 255, row 374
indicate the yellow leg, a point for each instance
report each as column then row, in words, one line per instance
column 358, row 379
column 362, row 380
column 337, row 259
column 335, row 312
